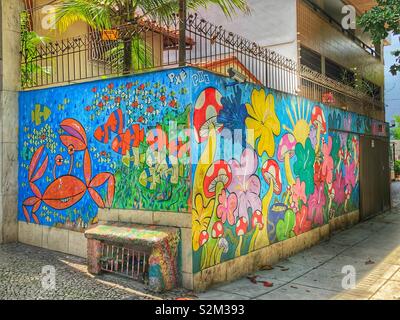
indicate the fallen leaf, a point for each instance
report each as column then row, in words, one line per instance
column 286, row 269
column 267, row 267
column 267, row 284
column 293, row 287
column 369, row 262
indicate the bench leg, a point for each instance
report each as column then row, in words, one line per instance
column 94, row 256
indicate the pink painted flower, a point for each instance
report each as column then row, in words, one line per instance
column 316, row 205
column 245, row 184
column 327, row 164
column 338, row 186
column 299, row 193
column 226, row 208
column 350, row 178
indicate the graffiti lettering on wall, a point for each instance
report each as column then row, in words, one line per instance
column 104, row 144
column 298, row 168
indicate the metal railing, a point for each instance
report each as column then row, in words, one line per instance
column 318, row 87
column 156, row 46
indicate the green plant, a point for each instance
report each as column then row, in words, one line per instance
column 106, row 14
column 30, row 41
column 380, row 22
column 397, row 167
column 395, row 132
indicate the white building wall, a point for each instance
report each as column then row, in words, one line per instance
column 272, row 23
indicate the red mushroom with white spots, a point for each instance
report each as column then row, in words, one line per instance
column 203, row 238
column 241, row 230
column 286, row 151
column 319, row 122
column 218, row 177
column 206, row 111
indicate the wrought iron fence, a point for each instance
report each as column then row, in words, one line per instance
column 153, row 46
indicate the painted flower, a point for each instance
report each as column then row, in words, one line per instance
column 302, row 223
column 263, row 122
column 313, row 136
column 338, row 186
column 316, row 204
column 227, row 207
column 343, row 139
column 245, row 184
column 201, row 219
column 327, row 164
column 233, row 115
column 350, row 178
column 304, row 166
column 299, row 193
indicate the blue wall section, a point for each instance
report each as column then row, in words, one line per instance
column 125, row 120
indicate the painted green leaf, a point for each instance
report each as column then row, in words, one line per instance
column 284, row 228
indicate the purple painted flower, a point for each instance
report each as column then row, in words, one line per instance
column 313, row 136
column 316, row 204
column 343, row 139
column 245, row 184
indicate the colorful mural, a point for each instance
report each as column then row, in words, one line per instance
column 254, row 166
column 104, row 144
column 294, row 166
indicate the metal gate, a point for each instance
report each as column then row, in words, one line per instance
column 374, row 176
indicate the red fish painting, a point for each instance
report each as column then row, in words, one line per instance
column 131, row 138
column 115, row 123
column 126, row 139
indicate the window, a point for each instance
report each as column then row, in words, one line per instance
column 311, row 59
column 334, row 70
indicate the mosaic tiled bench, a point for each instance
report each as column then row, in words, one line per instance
column 144, row 253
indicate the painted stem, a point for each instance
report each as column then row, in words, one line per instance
column 288, row 169
column 262, row 240
column 214, row 242
column 318, row 140
column 239, row 248
column 253, row 239
column 204, row 163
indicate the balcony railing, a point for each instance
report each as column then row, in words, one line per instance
column 154, row 46
column 318, row 87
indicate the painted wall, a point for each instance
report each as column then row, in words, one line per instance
column 97, row 144
column 293, row 167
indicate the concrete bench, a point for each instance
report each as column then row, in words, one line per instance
column 142, row 252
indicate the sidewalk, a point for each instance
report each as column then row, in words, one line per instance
column 372, row 248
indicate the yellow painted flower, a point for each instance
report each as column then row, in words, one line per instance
column 262, row 123
column 201, row 219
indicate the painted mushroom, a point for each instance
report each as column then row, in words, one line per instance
column 272, row 175
column 218, row 177
column 286, row 151
column 203, row 238
column 206, row 111
column 348, row 195
column 217, row 233
column 241, row 230
column 319, row 122
column 257, row 225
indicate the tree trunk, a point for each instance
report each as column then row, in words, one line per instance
column 127, row 56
